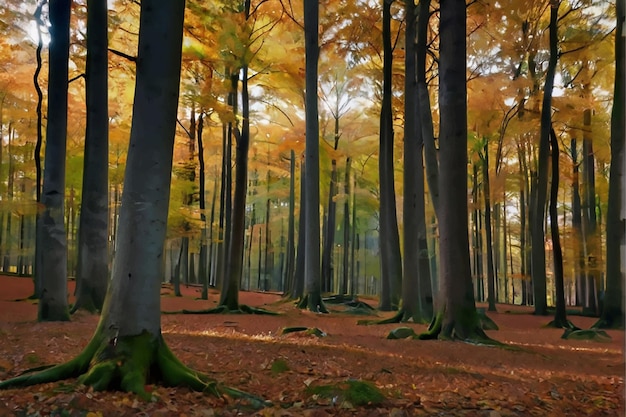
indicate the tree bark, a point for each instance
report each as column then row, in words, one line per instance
column 391, row 262
column 539, row 195
column 312, row 293
column 491, row 279
column 92, row 275
column 456, row 316
column 52, row 239
column 613, row 307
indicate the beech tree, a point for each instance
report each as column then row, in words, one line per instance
column 456, row 316
column 312, row 296
column 51, row 239
column 613, row 308
column 127, row 348
column 92, row 275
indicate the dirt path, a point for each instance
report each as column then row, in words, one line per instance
column 550, row 377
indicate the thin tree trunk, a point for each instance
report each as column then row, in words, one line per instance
column 491, row 279
column 291, row 249
column 560, row 316
column 346, row 230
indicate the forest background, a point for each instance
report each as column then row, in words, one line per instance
column 508, row 55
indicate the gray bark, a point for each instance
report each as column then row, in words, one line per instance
column 312, row 277
column 92, row 275
column 539, row 195
column 132, row 304
column 52, row 240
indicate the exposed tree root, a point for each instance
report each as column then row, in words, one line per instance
column 590, row 334
column 243, row 309
column 129, row 364
column 470, row 331
column 314, row 331
column 562, row 324
column 312, row 303
column 402, row 316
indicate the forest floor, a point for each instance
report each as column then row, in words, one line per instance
column 547, row 376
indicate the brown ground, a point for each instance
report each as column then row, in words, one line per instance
column 550, row 377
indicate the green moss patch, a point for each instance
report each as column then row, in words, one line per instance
column 354, row 392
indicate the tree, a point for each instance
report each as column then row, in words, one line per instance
column 127, row 348
column 93, row 264
column 391, row 262
column 456, row 316
column 52, row 239
column 312, row 298
column 540, row 189
column 613, row 308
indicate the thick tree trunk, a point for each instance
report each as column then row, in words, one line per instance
column 127, row 350
column 539, row 195
column 93, row 257
column 456, row 315
column 52, row 239
column 423, row 104
column 391, row 262
column 416, row 290
column 312, row 293
column 613, row 307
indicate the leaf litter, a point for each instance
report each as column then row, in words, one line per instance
column 548, row 376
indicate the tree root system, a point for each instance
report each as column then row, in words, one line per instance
column 243, row 309
column 129, row 364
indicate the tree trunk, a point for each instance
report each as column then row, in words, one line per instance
column 560, row 316
column 391, row 262
column 234, row 268
column 291, row 249
column 312, row 293
column 456, row 315
column 331, row 219
column 346, row 230
column 203, row 272
column 539, row 195
column 92, row 273
column 416, row 291
column 52, row 240
column 491, row 279
column 423, row 104
column 613, row 306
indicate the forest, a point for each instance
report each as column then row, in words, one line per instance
column 327, row 176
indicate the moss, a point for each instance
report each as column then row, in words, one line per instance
column 279, row 366
column 356, row 392
column 401, row 333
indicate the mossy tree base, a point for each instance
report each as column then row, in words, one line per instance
column 469, row 330
column 129, row 364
